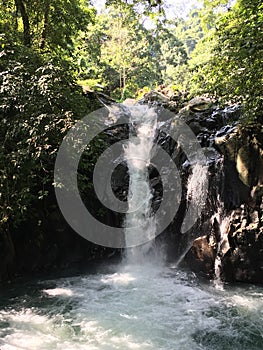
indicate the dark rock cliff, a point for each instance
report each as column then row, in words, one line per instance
column 229, row 231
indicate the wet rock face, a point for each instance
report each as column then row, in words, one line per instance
column 201, row 257
column 241, row 254
column 243, row 262
column 120, row 181
column 239, row 187
column 242, row 196
column 235, row 192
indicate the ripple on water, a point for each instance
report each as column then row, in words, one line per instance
column 134, row 308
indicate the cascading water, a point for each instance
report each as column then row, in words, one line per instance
column 223, row 221
column 138, row 154
column 196, row 190
column 223, row 246
column 196, row 199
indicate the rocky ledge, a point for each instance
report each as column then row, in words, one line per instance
column 228, row 240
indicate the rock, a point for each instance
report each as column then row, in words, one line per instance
column 248, row 162
column 165, row 97
column 210, row 123
column 196, row 127
column 241, row 147
column 227, row 142
column 105, row 99
column 239, row 187
column 244, row 261
column 129, row 102
column 154, row 96
column 235, row 160
column 120, row 182
column 232, row 113
column 200, row 104
column 201, row 257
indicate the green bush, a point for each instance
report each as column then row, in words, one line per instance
column 39, row 103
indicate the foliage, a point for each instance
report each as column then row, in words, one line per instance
column 173, row 57
column 48, row 25
column 232, row 68
column 114, row 51
column 216, row 50
column 119, row 52
column 40, row 100
column 39, row 103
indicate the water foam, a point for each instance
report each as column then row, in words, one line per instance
column 138, row 154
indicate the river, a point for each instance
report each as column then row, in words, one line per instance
column 130, row 307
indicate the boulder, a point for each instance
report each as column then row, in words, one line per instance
column 227, row 141
column 244, row 261
column 200, row 104
column 129, row 102
column 249, row 164
column 201, row 257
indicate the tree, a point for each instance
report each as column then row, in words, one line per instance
column 20, row 8
column 233, row 69
column 172, row 57
column 48, row 25
column 40, row 100
column 39, row 103
column 118, row 51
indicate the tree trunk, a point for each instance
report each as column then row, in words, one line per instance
column 22, row 9
column 123, row 83
column 43, row 38
column 124, row 78
column 120, row 76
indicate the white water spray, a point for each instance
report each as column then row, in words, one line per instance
column 196, row 187
column 196, row 199
column 138, row 154
column 223, row 244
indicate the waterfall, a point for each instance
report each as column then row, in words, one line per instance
column 223, row 222
column 222, row 246
column 196, row 200
column 139, row 224
column 196, row 189
column 220, row 222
